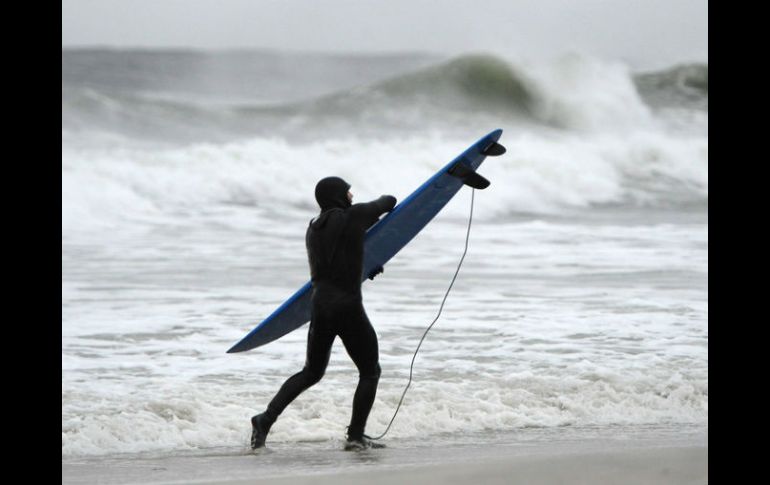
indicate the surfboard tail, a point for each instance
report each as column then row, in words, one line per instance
column 470, row 177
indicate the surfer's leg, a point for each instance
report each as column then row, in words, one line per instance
column 319, row 345
column 360, row 341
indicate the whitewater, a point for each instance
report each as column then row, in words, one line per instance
column 187, row 182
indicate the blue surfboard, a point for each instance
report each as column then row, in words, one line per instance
column 388, row 236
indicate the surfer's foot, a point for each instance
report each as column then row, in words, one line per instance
column 259, row 430
column 362, row 443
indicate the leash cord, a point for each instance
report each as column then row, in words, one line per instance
column 411, row 367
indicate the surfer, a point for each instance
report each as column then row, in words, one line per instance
column 335, row 248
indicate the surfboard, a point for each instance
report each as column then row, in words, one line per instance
column 388, row 236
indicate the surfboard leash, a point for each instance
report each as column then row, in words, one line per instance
column 441, row 308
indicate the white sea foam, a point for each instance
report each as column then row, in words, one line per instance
column 564, row 325
column 540, row 174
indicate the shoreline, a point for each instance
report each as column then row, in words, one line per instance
column 604, row 458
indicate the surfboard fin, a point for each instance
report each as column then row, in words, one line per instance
column 468, row 176
column 494, row 150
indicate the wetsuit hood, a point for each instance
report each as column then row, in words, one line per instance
column 325, row 230
column 331, row 193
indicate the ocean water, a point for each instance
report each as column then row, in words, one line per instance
column 187, row 182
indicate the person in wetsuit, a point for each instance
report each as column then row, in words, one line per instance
column 335, row 248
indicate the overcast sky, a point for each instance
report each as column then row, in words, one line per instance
column 643, row 33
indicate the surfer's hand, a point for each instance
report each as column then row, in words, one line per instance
column 390, row 202
column 375, row 272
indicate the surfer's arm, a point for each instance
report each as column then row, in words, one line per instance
column 369, row 212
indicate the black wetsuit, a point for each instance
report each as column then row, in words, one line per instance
column 335, row 246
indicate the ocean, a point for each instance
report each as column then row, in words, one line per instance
column 187, row 187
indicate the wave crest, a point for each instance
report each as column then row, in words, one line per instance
column 683, row 86
column 573, row 93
